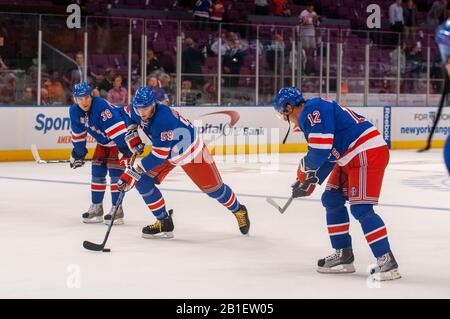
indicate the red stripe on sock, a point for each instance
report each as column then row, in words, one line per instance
column 382, row 232
column 338, row 229
column 159, row 204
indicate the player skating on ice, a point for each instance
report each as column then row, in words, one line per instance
column 105, row 123
column 175, row 142
column 349, row 147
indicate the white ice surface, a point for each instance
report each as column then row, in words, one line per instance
column 41, row 235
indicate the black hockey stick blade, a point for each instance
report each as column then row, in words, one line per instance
column 93, row 246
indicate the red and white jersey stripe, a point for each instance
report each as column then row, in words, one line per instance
column 80, row 137
column 191, row 152
column 371, row 138
column 115, row 130
column 320, row 140
column 161, row 152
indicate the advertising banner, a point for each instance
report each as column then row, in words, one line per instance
column 225, row 129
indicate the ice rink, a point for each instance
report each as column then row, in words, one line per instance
column 41, row 237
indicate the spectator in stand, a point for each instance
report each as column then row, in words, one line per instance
column 344, row 87
column 437, row 13
column 280, row 8
column 394, row 59
column 233, row 59
column 7, row 84
column 45, row 100
column 164, row 83
column 385, row 87
column 201, row 13
column 242, row 44
column 415, row 65
column 396, row 19
column 158, row 91
column 152, row 62
column 308, row 19
column 192, row 61
column 217, row 11
column 118, row 94
column 188, row 97
column 107, row 83
column 75, row 74
column 410, row 18
column 55, row 88
column 27, row 97
column 262, row 7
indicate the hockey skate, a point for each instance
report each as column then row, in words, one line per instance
column 118, row 218
column 243, row 220
column 338, row 263
column 160, row 229
column 94, row 214
column 386, row 269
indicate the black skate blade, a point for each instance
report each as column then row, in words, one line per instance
column 92, row 246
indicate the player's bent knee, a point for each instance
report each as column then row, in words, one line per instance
column 361, row 211
column 145, row 185
column 332, row 199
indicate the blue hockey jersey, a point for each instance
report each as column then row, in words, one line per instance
column 335, row 133
column 201, row 8
column 104, row 122
column 173, row 137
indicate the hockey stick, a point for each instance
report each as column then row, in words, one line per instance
column 37, row 158
column 288, row 131
column 438, row 115
column 280, row 209
column 101, row 247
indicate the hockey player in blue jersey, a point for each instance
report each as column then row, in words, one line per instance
column 175, row 142
column 347, row 146
column 105, row 123
column 443, row 41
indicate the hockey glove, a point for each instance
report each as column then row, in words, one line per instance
column 306, row 181
column 302, row 190
column 128, row 179
column 76, row 160
column 133, row 140
column 125, row 159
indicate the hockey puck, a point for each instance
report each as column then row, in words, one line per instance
column 106, row 250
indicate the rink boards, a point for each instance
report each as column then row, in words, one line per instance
column 226, row 130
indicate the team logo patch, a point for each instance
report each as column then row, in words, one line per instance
column 354, row 191
column 82, row 120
